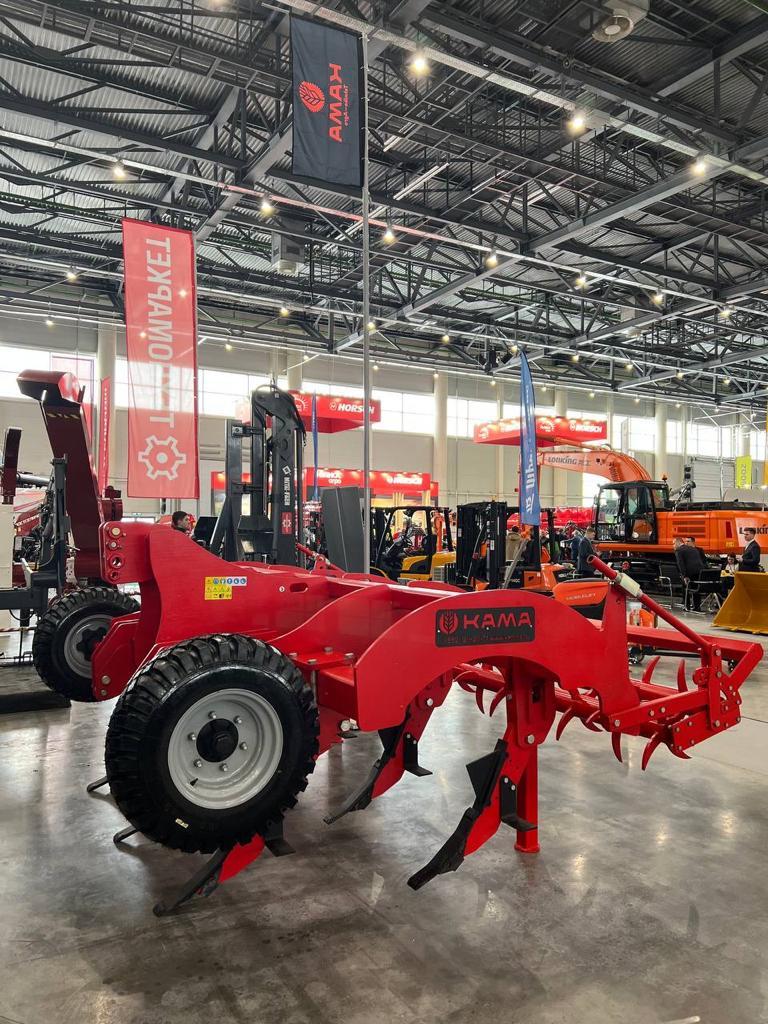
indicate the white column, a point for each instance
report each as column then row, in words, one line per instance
column 560, row 476
column 295, row 371
column 277, row 362
column 660, row 463
column 440, row 438
column 745, row 431
column 106, row 353
column 500, row 448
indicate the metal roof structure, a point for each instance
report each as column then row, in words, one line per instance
column 619, row 188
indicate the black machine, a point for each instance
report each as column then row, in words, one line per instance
column 270, row 530
column 403, row 556
column 481, row 546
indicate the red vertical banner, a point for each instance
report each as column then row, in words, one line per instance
column 161, row 344
column 105, row 401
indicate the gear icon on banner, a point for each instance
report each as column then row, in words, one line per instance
column 162, row 458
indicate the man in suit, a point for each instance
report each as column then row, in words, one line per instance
column 586, row 548
column 691, row 565
column 750, row 560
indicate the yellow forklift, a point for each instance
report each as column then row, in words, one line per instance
column 410, row 542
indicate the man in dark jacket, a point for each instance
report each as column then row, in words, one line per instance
column 583, row 568
column 182, row 522
column 691, row 565
column 750, row 560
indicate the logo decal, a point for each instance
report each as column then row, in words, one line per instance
column 162, row 458
column 312, row 96
column 458, row 627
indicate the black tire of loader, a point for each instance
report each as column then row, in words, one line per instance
column 147, row 712
column 53, row 627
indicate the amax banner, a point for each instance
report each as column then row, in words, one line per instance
column 161, row 342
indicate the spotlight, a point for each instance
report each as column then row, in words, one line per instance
column 50, row 322
column 284, row 311
column 591, row 394
column 376, row 367
column 515, row 349
column 492, row 260
column 118, row 169
column 419, row 64
column 543, row 387
column 628, row 366
column 576, row 123
column 493, row 383
column 680, row 375
column 658, row 298
column 575, row 357
column 637, row 401
column 267, row 209
column 71, row 274
column 726, row 381
column 445, row 338
column 371, row 325
column 389, row 235
column 677, row 405
column 581, row 281
column 725, row 313
column 435, row 375
column 700, row 166
column 227, row 347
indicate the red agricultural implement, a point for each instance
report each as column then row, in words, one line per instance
column 235, row 677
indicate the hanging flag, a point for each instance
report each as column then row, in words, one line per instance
column 327, row 102
column 530, row 506
column 161, row 344
column 315, row 441
column 105, row 400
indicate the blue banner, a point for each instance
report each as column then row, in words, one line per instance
column 530, row 506
column 316, row 493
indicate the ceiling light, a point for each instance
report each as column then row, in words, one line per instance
column 71, row 274
column 228, row 347
column 445, row 338
column 543, row 387
column 492, row 259
column 581, row 281
column 306, row 358
column 677, row 405
column 629, row 366
column 371, row 325
column 680, row 374
column 118, row 169
column 515, row 348
column 284, row 311
column 717, row 408
column 591, row 394
column 637, row 401
column 49, row 321
column 376, row 367
column 419, row 64
column 435, row 375
column 700, row 166
column 575, row 357
column 726, row 381
column 493, row 383
column 576, row 123
column 725, row 313
column 658, row 298
column 389, row 235
column 266, row 207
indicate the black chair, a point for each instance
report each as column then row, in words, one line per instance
column 709, row 588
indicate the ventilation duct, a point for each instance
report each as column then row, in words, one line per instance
column 621, row 21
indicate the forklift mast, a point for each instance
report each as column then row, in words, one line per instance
column 274, row 524
column 481, row 533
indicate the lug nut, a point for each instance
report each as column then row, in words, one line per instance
column 192, row 737
column 197, row 763
column 530, row 738
column 224, row 766
column 238, row 720
column 430, row 702
column 243, row 746
column 211, row 714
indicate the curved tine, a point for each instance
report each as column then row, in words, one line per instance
column 682, row 682
column 479, row 698
column 567, row 717
column 616, row 744
column 468, row 687
column 679, row 753
column 589, row 723
column 650, row 746
column 650, row 667
column 495, row 702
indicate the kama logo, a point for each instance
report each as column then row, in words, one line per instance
column 449, row 622
column 312, row 96
column 162, row 458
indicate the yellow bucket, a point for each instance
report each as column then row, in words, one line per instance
column 746, row 608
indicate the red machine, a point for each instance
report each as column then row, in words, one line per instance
column 239, row 675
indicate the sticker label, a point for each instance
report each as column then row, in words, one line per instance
column 457, row 627
column 219, row 588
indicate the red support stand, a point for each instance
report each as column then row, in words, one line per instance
column 528, row 805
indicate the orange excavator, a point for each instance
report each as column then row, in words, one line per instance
column 636, row 516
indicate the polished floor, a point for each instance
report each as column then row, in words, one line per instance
column 647, row 904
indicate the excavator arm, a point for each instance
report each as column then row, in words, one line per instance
column 614, row 466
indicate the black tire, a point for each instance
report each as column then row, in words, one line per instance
column 66, row 622
column 143, row 730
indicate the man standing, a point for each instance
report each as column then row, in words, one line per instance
column 750, row 560
column 586, row 548
column 691, row 565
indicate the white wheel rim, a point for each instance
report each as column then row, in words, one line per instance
column 75, row 655
column 249, row 725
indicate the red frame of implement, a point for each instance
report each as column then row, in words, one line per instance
column 387, row 656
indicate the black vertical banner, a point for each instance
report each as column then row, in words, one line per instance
column 327, row 102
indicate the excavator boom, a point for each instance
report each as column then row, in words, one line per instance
column 614, row 466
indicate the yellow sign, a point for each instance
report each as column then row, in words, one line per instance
column 219, row 588
column 744, row 471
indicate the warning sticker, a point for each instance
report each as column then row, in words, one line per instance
column 219, row 588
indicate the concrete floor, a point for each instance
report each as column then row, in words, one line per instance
column 647, row 903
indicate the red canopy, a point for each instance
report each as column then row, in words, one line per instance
column 334, row 412
column 550, row 431
column 383, row 482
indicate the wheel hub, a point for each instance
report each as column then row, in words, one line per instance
column 81, row 642
column 217, row 740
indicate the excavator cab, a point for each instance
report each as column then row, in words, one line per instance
column 626, row 512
